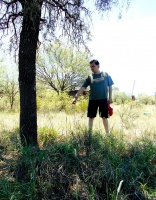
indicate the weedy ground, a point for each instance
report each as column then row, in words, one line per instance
column 121, row 165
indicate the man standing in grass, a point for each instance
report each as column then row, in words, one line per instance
column 100, row 94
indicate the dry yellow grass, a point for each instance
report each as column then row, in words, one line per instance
column 132, row 120
column 8, row 121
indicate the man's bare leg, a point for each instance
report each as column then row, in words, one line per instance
column 90, row 124
column 90, row 128
column 89, row 135
column 106, row 126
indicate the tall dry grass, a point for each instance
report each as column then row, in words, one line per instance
column 121, row 165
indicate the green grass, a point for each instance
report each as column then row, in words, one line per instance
column 118, row 166
column 64, row 171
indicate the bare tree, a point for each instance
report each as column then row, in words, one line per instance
column 24, row 19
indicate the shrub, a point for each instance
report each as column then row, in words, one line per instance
column 121, row 97
column 146, row 99
column 52, row 102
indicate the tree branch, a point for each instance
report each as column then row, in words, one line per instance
column 11, row 2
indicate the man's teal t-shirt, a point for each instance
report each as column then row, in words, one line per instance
column 99, row 84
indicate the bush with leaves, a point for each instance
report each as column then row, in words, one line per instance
column 121, row 97
column 52, row 102
column 62, row 67
column 146, row 99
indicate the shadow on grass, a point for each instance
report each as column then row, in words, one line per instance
column 65, row 171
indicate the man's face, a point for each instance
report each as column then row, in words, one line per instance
column 94, row 68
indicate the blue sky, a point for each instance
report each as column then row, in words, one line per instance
column 126, row 48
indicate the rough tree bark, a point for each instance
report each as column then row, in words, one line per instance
column 27, row 71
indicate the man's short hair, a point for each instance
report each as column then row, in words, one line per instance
column 94, row 61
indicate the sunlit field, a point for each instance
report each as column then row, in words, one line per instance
column 121, row 165
column 131, row 120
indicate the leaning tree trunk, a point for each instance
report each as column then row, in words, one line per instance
column 27, row 71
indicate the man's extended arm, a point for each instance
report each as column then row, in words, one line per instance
column 78, row 94
column 110, row 95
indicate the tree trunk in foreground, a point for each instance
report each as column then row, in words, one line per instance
column 27, row 72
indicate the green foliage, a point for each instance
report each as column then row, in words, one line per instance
column 64, row 170
column 146, row 99
column 47, row 135
column 81, row 105
column 52, row 102
column 120, row 97
column 62, row 67
column 10, row 190
column 123, row 98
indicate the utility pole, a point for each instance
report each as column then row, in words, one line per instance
column 133, row 97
